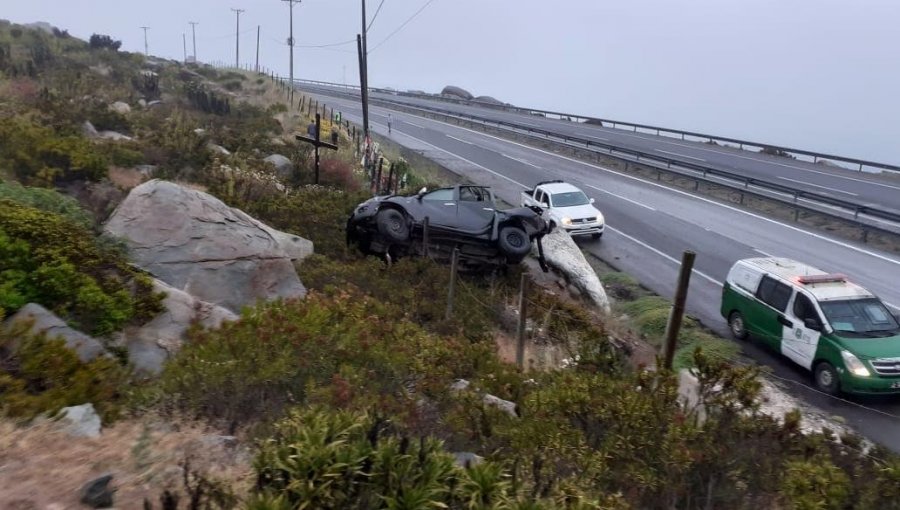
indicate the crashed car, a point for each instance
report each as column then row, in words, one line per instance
column 462, row 216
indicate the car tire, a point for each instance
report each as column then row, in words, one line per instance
column 737, row 325
column 826, row 378
column 597, row 236
column 514, row 242
column 392, row 225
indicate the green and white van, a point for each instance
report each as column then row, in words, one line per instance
column 838, row 330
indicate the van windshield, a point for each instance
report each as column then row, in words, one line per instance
column 569, row 199
column 860, row 318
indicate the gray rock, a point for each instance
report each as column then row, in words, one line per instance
column 563, row 254
column 504, row 405
column 489, row 99
column 146, row 170
column 154, row 103
column 194, row 242
column 142, row 102
column 86, row 347
column 283, row 165
column 81, row 421
column 218, row 149
column 456, row 92
column 97, row 493
column 88, row 130
column 120, row 107
column 467, row 459
column 199, row 131
column 114, row 136
column 101, row 69
column 459, row 385
column 150, row 345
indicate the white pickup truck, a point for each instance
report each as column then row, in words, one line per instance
column 567, row 207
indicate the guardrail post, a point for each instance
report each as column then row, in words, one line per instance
column 425, row 236
column 452, row 290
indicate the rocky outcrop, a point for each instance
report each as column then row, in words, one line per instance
column 44, row 321
column 151, row 344
column 283, row 165
column 456, row 92
column 489, row 99
column 80, row 421
column 195, row 243
column 565, row 256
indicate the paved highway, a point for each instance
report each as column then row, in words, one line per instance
column 649, row 226
column 863, row 188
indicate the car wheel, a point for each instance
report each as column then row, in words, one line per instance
column 737, row 326
column 597, row 235
column 826, row 378
column 392, row 225
column 514, row 242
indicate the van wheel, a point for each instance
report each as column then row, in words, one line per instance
column 826, row 378
column 737, row 326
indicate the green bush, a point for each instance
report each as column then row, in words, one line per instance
column 47, row 200
column 47, row 259
column 40, row 156
column 646, row 304
column 43, row 375
column 815, row 484
column 233, row 86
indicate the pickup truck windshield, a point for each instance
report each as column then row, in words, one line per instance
column 860, row 317
column 569, row 199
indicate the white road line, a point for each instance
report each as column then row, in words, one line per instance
column 520, row 160
column 680, row 155
column 459, row 140
column 852, row 179
column 664, row 255
column 684, row 193
column 635, row 202
column 597, row 138
column 818, row 186
column 529, row 124
column 757, row 250
column 414, row 124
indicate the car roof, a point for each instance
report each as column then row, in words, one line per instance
column 559, row 187
column 791, row 271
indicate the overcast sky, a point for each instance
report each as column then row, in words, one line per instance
column 815, row 74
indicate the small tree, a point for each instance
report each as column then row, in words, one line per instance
column 99, row 42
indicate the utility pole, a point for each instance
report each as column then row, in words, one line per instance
column 364, row 54
column 237, row 38
column 194, row 37
column 146, row 48
column 184, row 44
column 257, row 47
column 363, row 85
column 291, row 44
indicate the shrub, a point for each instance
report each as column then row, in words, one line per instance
column 40, row 156
column 815, row 484
column 43, row 375
column 101, row 42
column 49, row 260
column 47, row 200
column 233, row 86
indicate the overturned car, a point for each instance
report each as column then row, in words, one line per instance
column 435, row 222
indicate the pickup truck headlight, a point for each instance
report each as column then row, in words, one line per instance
column 854, row 365
column 566, row 221
column 600, row 219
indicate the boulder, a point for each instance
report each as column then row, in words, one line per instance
column 457, row 92
column 80, row 421
column 283, row 165
column 151, row 344
column 218, row 149
column 97, row 493
column 467, row 459
column 146, row 170
column 194, row 242
column 142, row 102
column 561, row 253
column 114, row 136
column 44, row 321
column 504, row 405
column 120, row 107
column 88, row 130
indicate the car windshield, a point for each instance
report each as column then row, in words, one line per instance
column 569, row 199
column 860, row 317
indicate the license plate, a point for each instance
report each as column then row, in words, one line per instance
column 895, row 385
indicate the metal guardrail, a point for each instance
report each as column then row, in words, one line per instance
column 660, row 131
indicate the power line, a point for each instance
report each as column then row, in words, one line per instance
column 375, row 16
column 392, row 34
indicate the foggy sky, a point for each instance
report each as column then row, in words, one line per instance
column 814, row 74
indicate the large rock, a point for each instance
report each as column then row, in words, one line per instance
column 151, row 344
column 120, row 107
column 88, row 130
column 564, row 255
column 218, row 149
column 97, row 493
column 194, row 242
column 81, row 421
column 283, row 165
column 457, row 92
column 44, row 321
column 114, row 136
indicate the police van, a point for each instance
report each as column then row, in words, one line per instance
column 838, row 330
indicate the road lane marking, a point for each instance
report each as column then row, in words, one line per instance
column 520, row 161
column 817, row 186
column 635, row 202
column 459, row 139
column 680, row 155
column 664, row 255
column 597, row 138
column 853, row 179
column 757, row 250
column 695, row 197
column 414, row 124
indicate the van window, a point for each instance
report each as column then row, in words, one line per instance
column 804, row 309
column 866, row 317
column 774, row 293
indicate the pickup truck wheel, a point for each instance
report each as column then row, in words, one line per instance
column 514, row 242
column 392, row 225
column 597, row 236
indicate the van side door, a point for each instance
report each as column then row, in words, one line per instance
column 768, row 315
column 800, row 342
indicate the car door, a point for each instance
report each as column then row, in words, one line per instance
column 475, row 211
column 767, row 317
column 439, row 206
column 800, row 342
